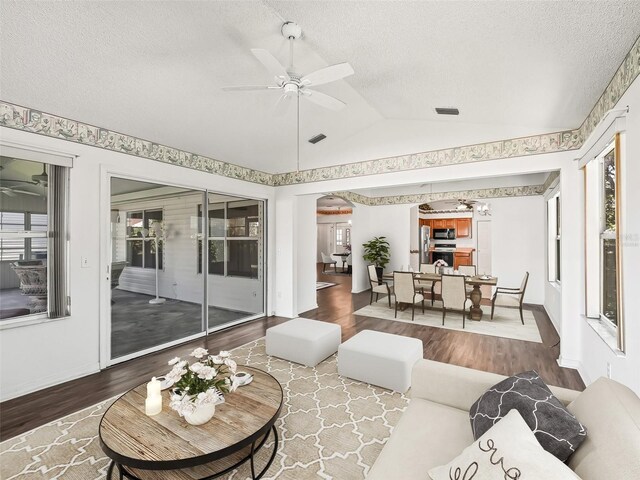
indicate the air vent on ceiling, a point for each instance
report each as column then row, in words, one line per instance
column 447, row 111
column 317, row 138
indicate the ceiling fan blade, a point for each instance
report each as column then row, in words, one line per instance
column 282, row 105
column 324, row 100
column 242, row 88
column 25, row 192
column 8, row 192
column 327, row 74
column 270, row 62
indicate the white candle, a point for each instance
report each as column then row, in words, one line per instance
column 153, row 405
column 153, row 387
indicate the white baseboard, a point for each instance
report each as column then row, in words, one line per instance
column 35, row 384
column 576, row 365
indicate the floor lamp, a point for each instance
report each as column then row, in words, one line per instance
column 156, row 228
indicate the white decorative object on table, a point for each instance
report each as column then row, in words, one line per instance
column 303, row 341
column 379, row 358
column 153, row 402
column 199, row 386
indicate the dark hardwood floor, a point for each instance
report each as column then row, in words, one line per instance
column 335, row 304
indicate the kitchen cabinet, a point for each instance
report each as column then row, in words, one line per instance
column 438, row 223
column 463, row 227
column 449, row 223
column 462, row 258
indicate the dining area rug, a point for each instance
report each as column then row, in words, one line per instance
column 506, row 321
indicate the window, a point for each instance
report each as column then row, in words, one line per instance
column 233, row 237
column 602, row 241
column 339, row 236
column 553, row 229
column 142, row 229
column 608, row 240
column 33, row 238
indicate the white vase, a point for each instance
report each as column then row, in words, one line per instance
column 201, row 415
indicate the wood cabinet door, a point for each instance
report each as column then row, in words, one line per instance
column 463, row 227
column 438, row 223
column 462, row 259
column 449, row 223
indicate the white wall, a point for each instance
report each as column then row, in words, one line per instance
column 68, row 348
column 518, row 243
column 307, row 234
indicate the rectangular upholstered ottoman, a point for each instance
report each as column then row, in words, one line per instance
column 303, row 341
column 379, row 358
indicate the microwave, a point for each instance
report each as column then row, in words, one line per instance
column 444, row 233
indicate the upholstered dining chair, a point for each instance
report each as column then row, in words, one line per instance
column 428, row 268
column 328, row 260
column 468, row 271
column 454, row 296
column 404, row 289
column 349, row 262
column 378, row 287
column 510, row 297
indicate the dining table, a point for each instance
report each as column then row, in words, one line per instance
column 477, row 281
column 343, row 256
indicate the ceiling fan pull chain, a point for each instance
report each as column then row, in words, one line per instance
column 291, row 54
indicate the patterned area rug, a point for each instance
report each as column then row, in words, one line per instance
column 506, row 321
column 330, row 427
column 321, row 285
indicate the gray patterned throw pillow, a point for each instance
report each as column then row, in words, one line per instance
column 557, row 430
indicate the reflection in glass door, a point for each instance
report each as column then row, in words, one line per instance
column 235, row 283
column 161, row 240
column 156, row 293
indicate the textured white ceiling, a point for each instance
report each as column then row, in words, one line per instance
column 154, row 70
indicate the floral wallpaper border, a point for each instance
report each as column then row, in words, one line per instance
column 476, row 194
column 36, row 121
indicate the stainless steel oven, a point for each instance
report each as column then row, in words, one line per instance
column 444, row 233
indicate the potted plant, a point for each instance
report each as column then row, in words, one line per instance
column 376, row 251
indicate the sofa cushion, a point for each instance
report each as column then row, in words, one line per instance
column 557, row 430
column 428, row 434
column 611, row 412
column 507, row 450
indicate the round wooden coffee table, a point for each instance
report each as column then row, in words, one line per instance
column 166, row 446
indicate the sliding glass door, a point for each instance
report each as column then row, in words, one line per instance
column 235, row 243
column 162, row 242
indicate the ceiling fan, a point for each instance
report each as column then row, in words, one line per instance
column 292, row 83
column 465, row 204
column 11, row 192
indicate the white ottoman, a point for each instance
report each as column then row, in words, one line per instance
column 380, row 358
column 304, row 341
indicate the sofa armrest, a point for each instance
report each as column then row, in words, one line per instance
column 460, row 387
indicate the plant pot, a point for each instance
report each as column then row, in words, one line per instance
column 379, row 271
column 201, row 415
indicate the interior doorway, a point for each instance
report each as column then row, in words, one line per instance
column 335, row 227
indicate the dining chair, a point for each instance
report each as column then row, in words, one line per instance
column 428, row 268
column 510, row 297
column 468, row 271
column 328, row 260
column 454, row 295
column 404, row 288
column 349, row 262
column 378, row 287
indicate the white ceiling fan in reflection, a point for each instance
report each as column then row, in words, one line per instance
column 291, row 83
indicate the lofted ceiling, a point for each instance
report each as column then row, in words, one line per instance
column 155, row 70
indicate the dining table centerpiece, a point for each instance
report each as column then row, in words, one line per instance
column 200, row 384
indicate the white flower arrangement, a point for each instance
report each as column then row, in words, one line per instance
column 202, row 382
column 440, row 263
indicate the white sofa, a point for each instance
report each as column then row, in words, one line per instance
column 435, row 428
